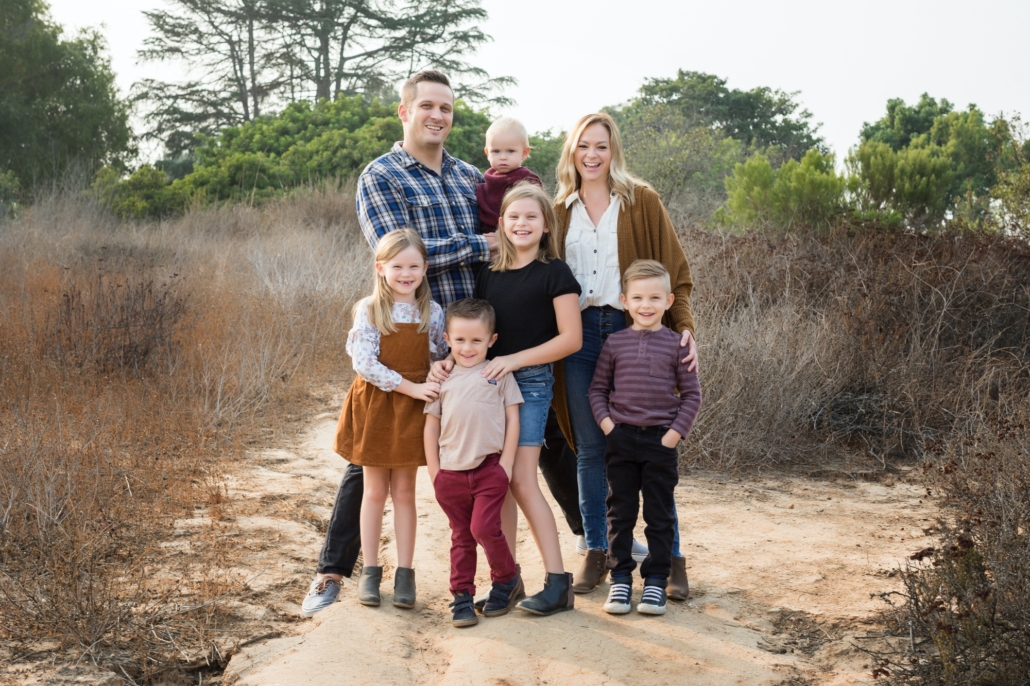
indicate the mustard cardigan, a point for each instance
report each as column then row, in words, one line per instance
column 644, row 232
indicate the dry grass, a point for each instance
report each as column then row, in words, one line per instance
column 133, row 360
column 869, row 344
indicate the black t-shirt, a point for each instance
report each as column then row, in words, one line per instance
column 524, row 302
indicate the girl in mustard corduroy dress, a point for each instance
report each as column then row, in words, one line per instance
column 397, row 333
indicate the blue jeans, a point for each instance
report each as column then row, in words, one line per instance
column 535, row 385
column 598, row 324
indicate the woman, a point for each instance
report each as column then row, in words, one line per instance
column 605, row 219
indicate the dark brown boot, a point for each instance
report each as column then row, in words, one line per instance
column 591, row 572
column 678, row 588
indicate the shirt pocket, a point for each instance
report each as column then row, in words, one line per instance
column 426, row 214
column 661, row 366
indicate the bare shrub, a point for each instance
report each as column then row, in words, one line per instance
column 870, row 342
column 964, row 608
column 133, row 359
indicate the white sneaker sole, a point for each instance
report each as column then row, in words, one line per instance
column 617, row 608
column 651, row 609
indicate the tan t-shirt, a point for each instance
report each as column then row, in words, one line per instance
column 471, row 412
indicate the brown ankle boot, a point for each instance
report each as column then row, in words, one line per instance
column 591, row 572
column 679, row 588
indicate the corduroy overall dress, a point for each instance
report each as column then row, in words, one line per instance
column 380, row 429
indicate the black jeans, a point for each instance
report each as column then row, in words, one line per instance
column 636, row 461
column 343, row 535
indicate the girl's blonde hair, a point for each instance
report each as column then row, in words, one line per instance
column 619, row 179
column 380, row 305
column 507, row 255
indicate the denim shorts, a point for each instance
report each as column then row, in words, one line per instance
column 535, row 385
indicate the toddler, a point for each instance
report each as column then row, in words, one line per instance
column 471, row 434
column 507, row 147
column 634, row 399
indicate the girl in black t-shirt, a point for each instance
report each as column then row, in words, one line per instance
column 536, row 299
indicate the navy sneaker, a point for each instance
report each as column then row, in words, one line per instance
column 619, row 595
column 322, row 593
column 463, row 610
column 503, row 597
column 652, row 602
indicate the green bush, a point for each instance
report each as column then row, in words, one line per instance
column 806, row 194
column 302, row 145
column 910, row 184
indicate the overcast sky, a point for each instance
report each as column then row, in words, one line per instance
column 846, row 57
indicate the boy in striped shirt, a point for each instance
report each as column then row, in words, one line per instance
column 645, row 401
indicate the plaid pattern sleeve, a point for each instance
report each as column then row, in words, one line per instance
column 396, row 191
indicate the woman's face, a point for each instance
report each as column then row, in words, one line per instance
column 593, row 155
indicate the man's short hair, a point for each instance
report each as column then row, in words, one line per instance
column 646, row 269
column 472, row 308
column 410, row 88
column 508, row 125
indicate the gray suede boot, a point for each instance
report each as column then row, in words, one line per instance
column 368, row 585
column 404, row 588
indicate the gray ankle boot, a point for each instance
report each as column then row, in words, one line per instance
column 404, row 588
column 368, row 585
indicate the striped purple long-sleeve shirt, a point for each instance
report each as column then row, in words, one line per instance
column 636, row 379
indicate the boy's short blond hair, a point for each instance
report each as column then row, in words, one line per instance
column 508, row 125
column 646, row 269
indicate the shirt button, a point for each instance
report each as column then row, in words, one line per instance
column 591, row 291
column 595, row 272
column 595, row 251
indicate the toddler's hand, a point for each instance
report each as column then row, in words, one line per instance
column 440, row 370
column 499, row 366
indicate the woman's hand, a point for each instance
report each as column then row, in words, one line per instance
column 671, row 438
column 687, row 341
column 499, row 366
column 440, row 370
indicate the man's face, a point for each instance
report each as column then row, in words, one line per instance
column 428, row 119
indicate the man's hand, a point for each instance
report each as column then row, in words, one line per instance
column 687, row 341
column 440, row 370
column 671, row 438
column 494, row 243
column 607, row 425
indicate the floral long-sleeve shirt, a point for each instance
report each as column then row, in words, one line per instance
column 363, row 342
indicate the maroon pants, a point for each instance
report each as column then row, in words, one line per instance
column 472, row 501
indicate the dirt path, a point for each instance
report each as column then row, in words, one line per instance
column 781, row 574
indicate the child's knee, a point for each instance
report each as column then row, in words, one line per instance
column 403, row 491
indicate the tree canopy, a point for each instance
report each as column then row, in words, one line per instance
column 58, row 102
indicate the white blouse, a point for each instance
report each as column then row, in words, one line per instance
column 363, row 342
column 592, row 252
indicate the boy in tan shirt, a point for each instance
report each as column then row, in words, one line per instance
column 472, row 431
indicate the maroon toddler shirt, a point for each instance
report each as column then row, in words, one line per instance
column 490, row 193
column 636, row 378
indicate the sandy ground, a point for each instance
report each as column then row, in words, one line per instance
column 782, row 570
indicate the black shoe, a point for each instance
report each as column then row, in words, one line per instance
column 520, row 593
column 503, row 597
column 652, row 602
column 556, row 596
column 404, row 588
column 463, row 611
column 368, row 586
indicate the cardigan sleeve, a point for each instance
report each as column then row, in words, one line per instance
column 672, row 256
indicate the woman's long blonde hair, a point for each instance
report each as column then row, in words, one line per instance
column 619, row 179
column 507, row 255
column 380, row 305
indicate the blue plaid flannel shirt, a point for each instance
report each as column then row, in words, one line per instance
column 397, row 191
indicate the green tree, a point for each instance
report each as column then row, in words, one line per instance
column 806, row 194
column 58, row 102
column 909, row 185
column 902, row 124
column 763, row 119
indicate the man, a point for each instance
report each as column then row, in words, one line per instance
column 420, row 186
